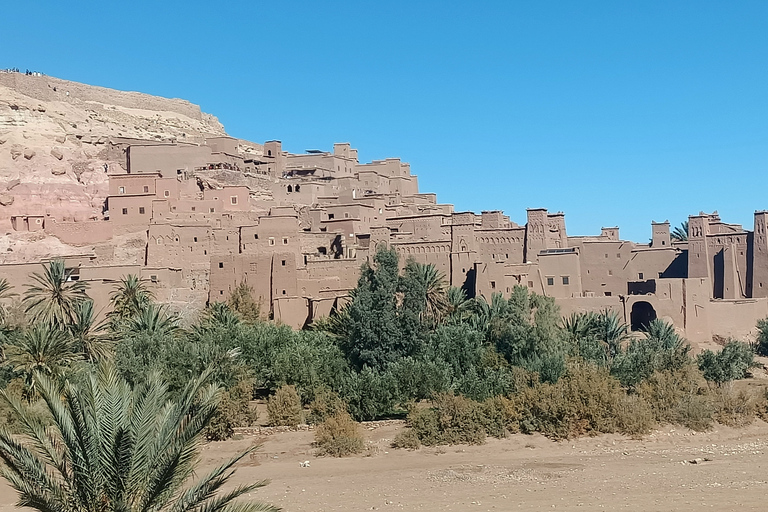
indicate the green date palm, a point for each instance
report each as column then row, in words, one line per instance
column 53, row 295
column 111, row 447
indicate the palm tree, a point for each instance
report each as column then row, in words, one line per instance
column 5, row 293
column 111, row 447
column 129, row 297
column 434, row 287
column 90, row 338
column 219, row 314
column 457, row 304
column 154, row 320
column 41, row 349
column 53, row 295
column 680, row 233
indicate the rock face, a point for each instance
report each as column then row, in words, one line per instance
column 60, row 139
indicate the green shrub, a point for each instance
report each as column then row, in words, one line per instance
column 408, row 439
column 370, row 394
column 761, row 344
column 731, row 363
column 234, row 410
column 326, row 404
column 661, row 349
column 284, row 407
column 339, row 436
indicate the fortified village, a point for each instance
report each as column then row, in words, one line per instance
column 123, row 183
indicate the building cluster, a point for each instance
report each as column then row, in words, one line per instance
column 297, row 228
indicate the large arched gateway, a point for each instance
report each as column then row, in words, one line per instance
column 642, row 314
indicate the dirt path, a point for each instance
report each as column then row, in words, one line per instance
column 519, row 473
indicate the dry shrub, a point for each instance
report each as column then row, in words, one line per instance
column 338, row 436
column 408, row 439
column 678, row 397
column 634, row 416
column 734, row 408
column 234, row 410
column 450, row 420
column 326, row 404
column 284, row 407
column 586, row 400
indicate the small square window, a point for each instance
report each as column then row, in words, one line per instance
column 167, row 193
column 125, row 211
column 607, row 294
column 285, row 241
column 194, row 208
column 221, row 292
column 233, row 199
column 221, row 264
column 550, row 281
column 610, row 272
column 255, row 236
column 606, row 255
column 141, row 210
column 331, row 216
column 493, row 285
column 121, row 190
column 618, row 255
column 640, row 275
column 195, row 239
column 530, row 284
column 153, row 279
column 283, row 262
column 271, row 241
column 566, row 280
column 213, row 210
column 283, row 292
column 146, row 189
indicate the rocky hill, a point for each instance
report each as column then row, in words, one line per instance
column 60, row 139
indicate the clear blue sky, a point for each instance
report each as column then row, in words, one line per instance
column 615, row 112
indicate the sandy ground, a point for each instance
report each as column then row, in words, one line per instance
column 518, row 473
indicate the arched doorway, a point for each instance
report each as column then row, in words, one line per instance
column 642, row 315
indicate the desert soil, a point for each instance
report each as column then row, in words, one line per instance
column 670, row 469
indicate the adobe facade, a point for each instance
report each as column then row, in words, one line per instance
column 199, row 219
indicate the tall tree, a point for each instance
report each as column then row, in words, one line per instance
column 431, row 289
column 130, row 297
column 382, row 321
column 111, row 447
column 53, row 295
column 241, row 301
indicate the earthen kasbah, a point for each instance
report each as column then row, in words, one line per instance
column 120, row 183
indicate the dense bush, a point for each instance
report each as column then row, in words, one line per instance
column 284, row 407
column 678, row 397
column 660, row 349
column 234, row 410
column 734, row 408
column 338, row 436
column 761, row 345
column 586, row 400
column 326, row 403
column 731, row 363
